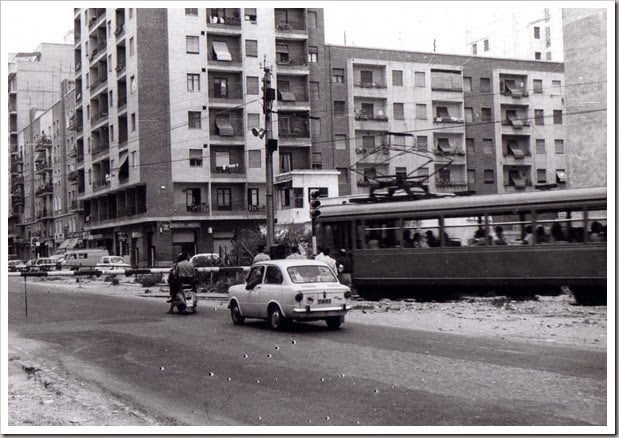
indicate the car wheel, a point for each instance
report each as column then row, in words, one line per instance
column 235, row 314
column 276, row 319
column 335, row 322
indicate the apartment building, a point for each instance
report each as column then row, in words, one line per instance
column 586, row 64
column 453, row 122
column 523, row 32
column 33, row 82
column 166, row 158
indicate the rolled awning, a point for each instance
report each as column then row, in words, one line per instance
column 444, row 145
column 516, row 150
column 224, row 126
column 221, row 51
column 288, row 96
column 561, row 176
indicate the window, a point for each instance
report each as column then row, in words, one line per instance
column 222, row 161
column 339, row 108
column 486, row 114
column 253, row 197
column 470, row 145
column 315, row 125
column 422, row 143
column 468, row 84
column 253, row 85
column 539, row 117
column 250, row 14
column 195, row 120
column 255, row 159
column 89, row 176
column 193, row 82
column 343, row 176
column 470, row 176
column 337, row 76
column 547, row 35
column 285, row 197
column 224, row 199
column 109, row 63
column 397, row 77
column 468, row 115
column 285, row 159
column 315, row 89
column 369, row 143
column 540, row 146
column 191, row 11
column 538, row 86
column 423, row 171
column 556, row 88
column 367, row 76
column 486, row 45
column 312, row 54
column 538, row 55
column 133, row 122
column 220, row 88
column 557, row 117
column 548, row 56
column 421, row 111
column 253, row 121
column 192, row 44
column 559, row 149
column 489, row 176
column 541, row 176
column 131, row 46
column 195, row 157
column 251, row 48
column 312, row 19
column 340, row 141
column 398, row 111
column 474, row 49
column 536, row 32
column 316, row 160
column 561, row 177
column 488, row 146
column 420, row 79
column 133, row 85
column 484, row 84
column 281, row 54
column 273, row 276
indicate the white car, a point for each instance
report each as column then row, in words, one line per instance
column 290, row 290
column 112, row 263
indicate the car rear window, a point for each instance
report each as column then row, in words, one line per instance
column 311, row 274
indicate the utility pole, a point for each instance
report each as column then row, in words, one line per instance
column 268, row 95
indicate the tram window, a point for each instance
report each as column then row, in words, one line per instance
column 420, row 233
column 381, row 233
column 465, row 231
column 512, row 228
column 338, row 236
column 558, row 227
column 597, row 225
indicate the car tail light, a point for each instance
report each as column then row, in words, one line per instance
column 299, row 297
column 347, row 294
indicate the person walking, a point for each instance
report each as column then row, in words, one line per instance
column 327, row 260
column 182, row 273
column 263, row 255
column 296, row 253
column 344, row 267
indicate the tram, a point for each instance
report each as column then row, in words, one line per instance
column 533, row 240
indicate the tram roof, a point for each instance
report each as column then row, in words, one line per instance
column 478, row 202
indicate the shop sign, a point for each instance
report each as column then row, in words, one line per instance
column 185, row 225
column 136, row 235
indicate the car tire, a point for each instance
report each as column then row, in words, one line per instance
column 335, row 322
column 276, row 319
column 235, row 314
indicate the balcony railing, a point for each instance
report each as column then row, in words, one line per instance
column 100, row 185
column 236, row 169
column 42, row 166
column 100, row 149
column 450, row 183
column 448, row 120
column 294, row 133
column 370, row 85
column 375, row 117
column 72, row 176
column 256, row 208
column 76, row 205
column 457, row 152
column 46, row 189
column 120, row 29
column 192, row 208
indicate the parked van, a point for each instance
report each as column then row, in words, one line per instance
column 83, row 258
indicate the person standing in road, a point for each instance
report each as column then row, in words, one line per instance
column 327, row 260
column 296, row 254
column 182, row 273
column 344, row 267
column 262, row 255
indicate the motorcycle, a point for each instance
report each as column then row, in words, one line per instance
column 186, row 300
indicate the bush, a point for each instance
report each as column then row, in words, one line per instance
column 221, row 287
column 149, row 280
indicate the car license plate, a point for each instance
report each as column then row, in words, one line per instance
column 324, row 301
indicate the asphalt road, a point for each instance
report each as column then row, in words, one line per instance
column 202, row 370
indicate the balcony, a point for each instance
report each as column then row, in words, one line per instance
column 17, row 199
column 120, row 30
column 223, row 21
column 76, row 205
column 194, row 209
column 43, row 143
column 98, row 117
column 511, row 89
column 47, row 189
column 100, row 149
column 42, row 166
column 71, row 123
column 120, row 69
column 44, row 214
column 72, row 177
column 100, row 185
column 448, row 119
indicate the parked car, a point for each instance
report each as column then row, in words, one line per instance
column 83, row 258
column 17, row 266
column 290, row 290
column 112, row 263
column 59, row 259
column 44, row 264
column 29, row 264
column 206, row 259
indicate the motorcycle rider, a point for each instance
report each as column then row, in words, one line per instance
column 183, row 272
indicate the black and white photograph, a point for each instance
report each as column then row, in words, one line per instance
column 308, row 218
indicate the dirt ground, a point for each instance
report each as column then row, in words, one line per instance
column 42, row 392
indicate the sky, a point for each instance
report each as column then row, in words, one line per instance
column 402, row 25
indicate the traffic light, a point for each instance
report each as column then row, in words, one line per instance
column 315, row 204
